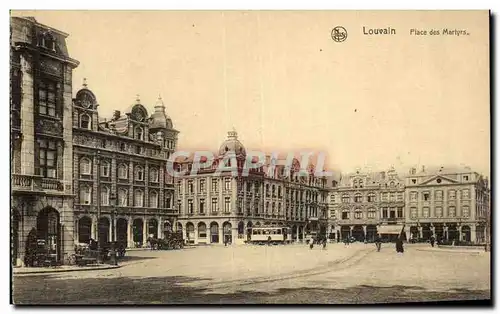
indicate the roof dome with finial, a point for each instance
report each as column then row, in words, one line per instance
column 232, row 144
column 159, row 119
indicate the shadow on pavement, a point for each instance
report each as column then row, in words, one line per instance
column 170, row 290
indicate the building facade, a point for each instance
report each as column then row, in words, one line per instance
column 41, row 136
column 221, row 208
column 122, row 189
column 451, row 204
column 363, row 204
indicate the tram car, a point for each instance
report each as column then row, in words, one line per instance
column 272, row 235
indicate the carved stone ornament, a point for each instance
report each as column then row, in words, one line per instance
column 49, row 127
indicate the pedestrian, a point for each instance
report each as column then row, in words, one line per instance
column 324, row 244
column 269, row 240
column 432, row 240
column 311, row 244
column 399, row 245
column 378, row 242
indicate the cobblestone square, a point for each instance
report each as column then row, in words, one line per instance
column 270, row 274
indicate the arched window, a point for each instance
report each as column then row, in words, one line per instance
column 345, row 198
column 139, row 133
column 104, row 195
column 358, row 198
column 85, row 194
column 139, row 173
column 360, row 183
column 85, row 166
column 372, row 197
column 105, row 168
column 85, row 122
column 122, row 197
column 153, row 199
column 122, row 171
column 153, row 174
column 358, row 213
column 139, row 198
column 372, row 213
column 355, row 183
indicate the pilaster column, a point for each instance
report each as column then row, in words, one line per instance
column 445, row 231
column 221, row 235
column 93, row 228
column 473, row 233
column 364, row 232
column 144, row 230
column 420, row 232
column 130, row 234
column 350, row 230
column 160, row 228
column 433, row 230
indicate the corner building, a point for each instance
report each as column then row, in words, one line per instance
column 217, row 208
column 366, row 203
column 41, row 137
column 122, row 189
column 450, row 203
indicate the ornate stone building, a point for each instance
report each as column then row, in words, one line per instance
column 41, row 136
column 451, row 203
column 218, row 208
column 122, row 189
column 364, row 203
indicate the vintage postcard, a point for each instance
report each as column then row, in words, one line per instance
column 250, row 157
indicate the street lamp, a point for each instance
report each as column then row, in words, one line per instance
column 112, row 200
column 98, row 197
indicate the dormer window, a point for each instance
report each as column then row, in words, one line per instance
column 48, row 41
column 85, row 122
column 139, row 134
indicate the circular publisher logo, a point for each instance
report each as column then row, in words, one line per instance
column 339, row 34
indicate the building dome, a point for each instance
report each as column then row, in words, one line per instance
column 159, row 119
column 232, row 144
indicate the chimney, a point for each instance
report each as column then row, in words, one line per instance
column 423, row 168
column 413, row 171
column 116, row 115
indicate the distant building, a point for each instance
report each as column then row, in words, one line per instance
column 365, row 203
column 41, row 137
column 120, row 172
column 223, row 208
column 451, row 203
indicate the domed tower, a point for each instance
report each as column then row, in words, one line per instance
column 232, row 144
column 161, row 128
column 85, row 105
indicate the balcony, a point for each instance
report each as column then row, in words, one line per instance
column 31, row 183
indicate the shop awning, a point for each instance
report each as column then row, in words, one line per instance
column 389, row 229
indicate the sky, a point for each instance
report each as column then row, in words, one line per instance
column 279, row 79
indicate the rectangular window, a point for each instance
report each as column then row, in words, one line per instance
column 372, row 214
column 465, row 194
column 425, row 212
column 227, row 184
column 392, row 213
column 202, row 206
column 413, row 196
column 384, row 212
column 439, row 195
column 227, row 204
column 215, row 185
column 215, row 205
column 179, row 187
column 452, row 195
column 190, row 187
column 393, row 197
column 384, row 197
column 47, row 98
column 400, row 212
column 345, row 215
column 202, row 186
column 465, row 211
column 190, row 207
column 452, row 211
column 168, row 202
column 358, row 215
column 413, row 212
column 439, row 212
column 47, row 158
column 400, row 196
column 426, row 196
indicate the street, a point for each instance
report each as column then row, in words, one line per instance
column 269, row 274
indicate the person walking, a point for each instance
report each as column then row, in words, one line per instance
column 432, row 241
column 399, row 245
column 378, row 242
column 324, row 244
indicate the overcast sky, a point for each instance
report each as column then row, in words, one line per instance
column 281, row 81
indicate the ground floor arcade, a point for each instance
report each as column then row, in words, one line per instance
column 455, row 231
column 134, row 230
column 41, row 229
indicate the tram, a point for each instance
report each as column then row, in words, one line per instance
column 274, row 235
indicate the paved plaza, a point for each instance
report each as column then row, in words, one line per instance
column 270, row 274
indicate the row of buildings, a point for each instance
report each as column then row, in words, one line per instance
column 77, row 176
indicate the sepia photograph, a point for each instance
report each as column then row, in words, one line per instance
column 238, row 157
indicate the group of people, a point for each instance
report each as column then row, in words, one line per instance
column 399, row 243
column 318, row 241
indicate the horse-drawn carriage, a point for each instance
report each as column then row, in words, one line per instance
column 172, row 241
column 90, row 253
